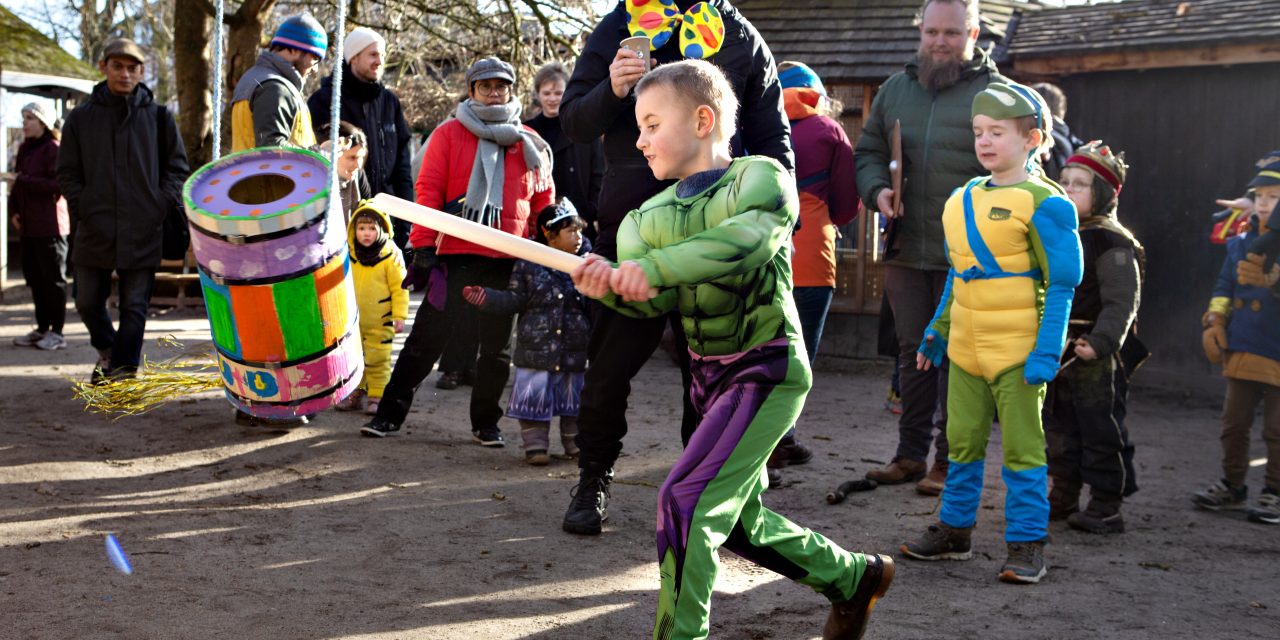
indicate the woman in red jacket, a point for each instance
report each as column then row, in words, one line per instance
column 39, row 213
column 486, row 166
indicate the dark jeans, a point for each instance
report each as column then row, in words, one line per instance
column 813, row 303
column 619, row 347
column 44, row 265
column 913, row 295
column 93, row 287
column 1084, row 429
column 430, row 335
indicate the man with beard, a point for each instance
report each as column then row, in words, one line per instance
column 368, row 104
column 931, row 99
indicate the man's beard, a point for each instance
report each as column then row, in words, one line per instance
column 937, row 75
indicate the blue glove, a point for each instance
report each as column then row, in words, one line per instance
column 1040, row 368
column 933, row 348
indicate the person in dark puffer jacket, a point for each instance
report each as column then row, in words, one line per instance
column 552, row 336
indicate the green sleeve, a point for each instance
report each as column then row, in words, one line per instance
column 632, row 244
column 744, row 230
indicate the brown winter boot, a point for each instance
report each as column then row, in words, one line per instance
column 848, row 620
column 1102, row 516
column 935, row 480
column 900, row 471
column 1064, row 499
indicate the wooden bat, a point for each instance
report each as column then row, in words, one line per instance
column 480, row 234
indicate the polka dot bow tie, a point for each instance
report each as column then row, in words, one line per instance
column 701, row 28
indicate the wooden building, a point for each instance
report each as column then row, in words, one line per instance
column 1190, row 91
column 854, row 46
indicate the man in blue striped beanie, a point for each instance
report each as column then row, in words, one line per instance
column 267, row 107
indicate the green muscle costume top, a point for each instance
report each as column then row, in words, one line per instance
column 721, row 257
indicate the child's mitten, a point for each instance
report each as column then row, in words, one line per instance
column 1214, row 339
column 1252, row 271
column 475, row 295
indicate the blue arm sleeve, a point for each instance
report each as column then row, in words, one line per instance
column 1056, row 241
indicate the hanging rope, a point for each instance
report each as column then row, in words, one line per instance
column 335, row 109
column 217, row 80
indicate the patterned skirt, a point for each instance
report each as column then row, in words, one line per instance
column 542, row 395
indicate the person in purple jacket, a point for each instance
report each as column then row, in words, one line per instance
column 39, row 213
column 827, row 183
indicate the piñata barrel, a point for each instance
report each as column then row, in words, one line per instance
column 274, row 268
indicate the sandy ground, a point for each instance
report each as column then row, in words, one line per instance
column 319, row 533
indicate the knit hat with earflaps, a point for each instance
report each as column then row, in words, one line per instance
column 1098, row 159
column 302, row 32
column 1268, row 171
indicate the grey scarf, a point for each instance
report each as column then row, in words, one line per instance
column 498, row 127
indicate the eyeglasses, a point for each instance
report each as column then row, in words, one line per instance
column 1077, row 185
column 495, row 89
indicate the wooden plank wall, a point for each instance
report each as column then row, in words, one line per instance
column 1190, row 135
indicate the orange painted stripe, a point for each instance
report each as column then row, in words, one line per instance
column 331, row 291
column 257, row 323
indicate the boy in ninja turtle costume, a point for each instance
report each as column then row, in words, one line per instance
column 1015, row 257
column 715, row 246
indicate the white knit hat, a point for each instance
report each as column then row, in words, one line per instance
column 36, row 109
column 359, row 39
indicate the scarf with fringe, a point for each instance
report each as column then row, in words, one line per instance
column 498, row 127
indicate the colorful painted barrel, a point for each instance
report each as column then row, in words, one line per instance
column 274, row 267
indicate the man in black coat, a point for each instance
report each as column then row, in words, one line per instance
column 370, row 105
column 121, row 167
column 599, row 101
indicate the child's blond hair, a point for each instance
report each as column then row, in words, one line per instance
column 698, row 83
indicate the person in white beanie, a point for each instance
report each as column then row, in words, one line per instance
column 372, row 107
column 39, row 214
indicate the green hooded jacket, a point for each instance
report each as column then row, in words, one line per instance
column 937, row 148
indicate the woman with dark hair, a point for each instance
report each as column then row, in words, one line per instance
column 39, row 213
column 579, row 168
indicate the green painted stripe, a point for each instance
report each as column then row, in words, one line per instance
column 224, row 328
column 299, row 313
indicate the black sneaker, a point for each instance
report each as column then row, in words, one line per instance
column 489, row 437
column 775, row 477
column 1266, row 509
column 1221, row 495
column 789, row 452
column 940, row 542
column 1102, row 516
column 1025, row 564
column 589, row 503
column 379, row 428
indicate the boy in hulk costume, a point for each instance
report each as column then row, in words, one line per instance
column 715, row 246
column 1015, row 257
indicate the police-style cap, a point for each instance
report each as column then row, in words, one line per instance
column 1268, row 171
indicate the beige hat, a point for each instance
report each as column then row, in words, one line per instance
column 359, row 39
column 123, row 47
column 36, row 109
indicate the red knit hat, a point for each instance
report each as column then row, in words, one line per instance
column 1098, row 159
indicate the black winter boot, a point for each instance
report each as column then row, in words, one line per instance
column 1064, row 499
column 1102, row 516
column 589, row 504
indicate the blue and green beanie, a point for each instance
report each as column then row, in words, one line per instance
column 304, row 33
